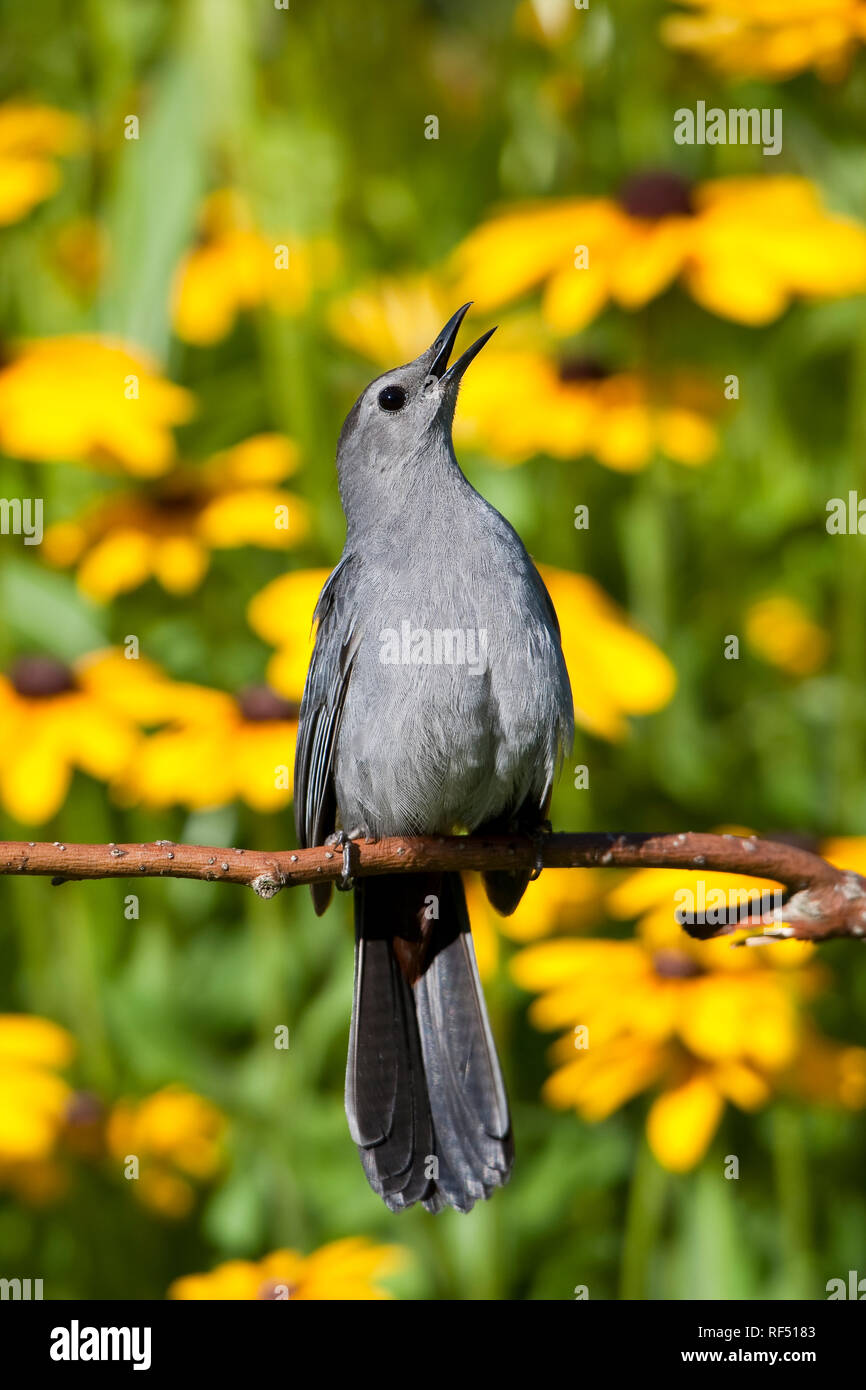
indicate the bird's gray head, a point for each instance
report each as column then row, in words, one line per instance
column 403, row 415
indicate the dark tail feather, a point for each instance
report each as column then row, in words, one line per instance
column 424, row 1093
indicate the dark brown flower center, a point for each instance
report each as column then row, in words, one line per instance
column 38, row 677
column 582, row 369
column 656, row 194
column 178, row 505
column 84, row 1108
column 675, row 965
column 259, row 703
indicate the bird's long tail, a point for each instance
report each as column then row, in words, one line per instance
column 424, row 1093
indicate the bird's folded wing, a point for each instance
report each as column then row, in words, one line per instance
column 322, row 707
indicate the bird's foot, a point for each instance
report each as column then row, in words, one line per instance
column 539, row 836
column 341, row 840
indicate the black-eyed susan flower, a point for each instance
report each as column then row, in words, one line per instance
column 760, row 38
column 92, row 400
column 167, row 532
column 177, row 1137
column 235, row 267
column 32, row 137
column 54, row 719
column 742, row 247
column 780, row 631
column 561, row 404
column 344, row 1270
column 576, row 406
column 34, row 1102
column 695, row 1023
column 214, row 749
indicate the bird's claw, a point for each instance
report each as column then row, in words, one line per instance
column 538, row 837
column 340, row 839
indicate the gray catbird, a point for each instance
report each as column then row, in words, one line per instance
column 437, row 700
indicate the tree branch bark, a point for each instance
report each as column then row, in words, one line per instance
column 820, row 901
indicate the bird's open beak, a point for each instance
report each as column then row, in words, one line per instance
column 444, row 344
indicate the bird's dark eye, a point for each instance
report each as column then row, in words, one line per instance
column 392, row 398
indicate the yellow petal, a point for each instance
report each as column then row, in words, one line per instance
column 682, row 1122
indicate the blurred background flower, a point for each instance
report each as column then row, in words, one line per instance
column 699, row 1023
column 175, row 1138
column 344, row 1270
column 34, row 1098
column 31, row 138
column 234, row 268
column 764, row 39
column 743, row 247
column 69, row 397
column 167, row 532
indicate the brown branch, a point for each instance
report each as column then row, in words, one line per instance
column 820, row 901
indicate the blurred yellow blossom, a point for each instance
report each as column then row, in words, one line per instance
column 391, row 320
column 167, row 532
column 229, row 748
column 743, row 248
column 90, row 399
column 31, row 138
column 176, row 1137
column 699, row 1023
column 765, row 38
column 561, row 406
column 235, row 267
column 615, row 671
column 347, row 1269
column 780, row 631
column 846, row 852
column 282, row 614
column 560, row 900
column 34, row 1101
column 54, row 719
column 577, row 407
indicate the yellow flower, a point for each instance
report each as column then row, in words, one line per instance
column 762, row 38
column 578, row 407
column 167, row 533
column 235, row 268
column 391, row 320
column 615, row 671
column 54, row 719
column 177, row 1138
column 742, row 247
column 562, row 408
column 226, row 749
column 89, row 399
column 343, row 1270
column 696, row 1022
column 780, row 631
column 561, row 900
column 30, row 139
column 846, row 852
column 34, row 1101
column 282, row 614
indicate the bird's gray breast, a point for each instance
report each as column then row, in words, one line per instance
column 451, row 713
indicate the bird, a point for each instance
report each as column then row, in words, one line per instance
column 437, row 701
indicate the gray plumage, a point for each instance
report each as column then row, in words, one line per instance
column 437, row 700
